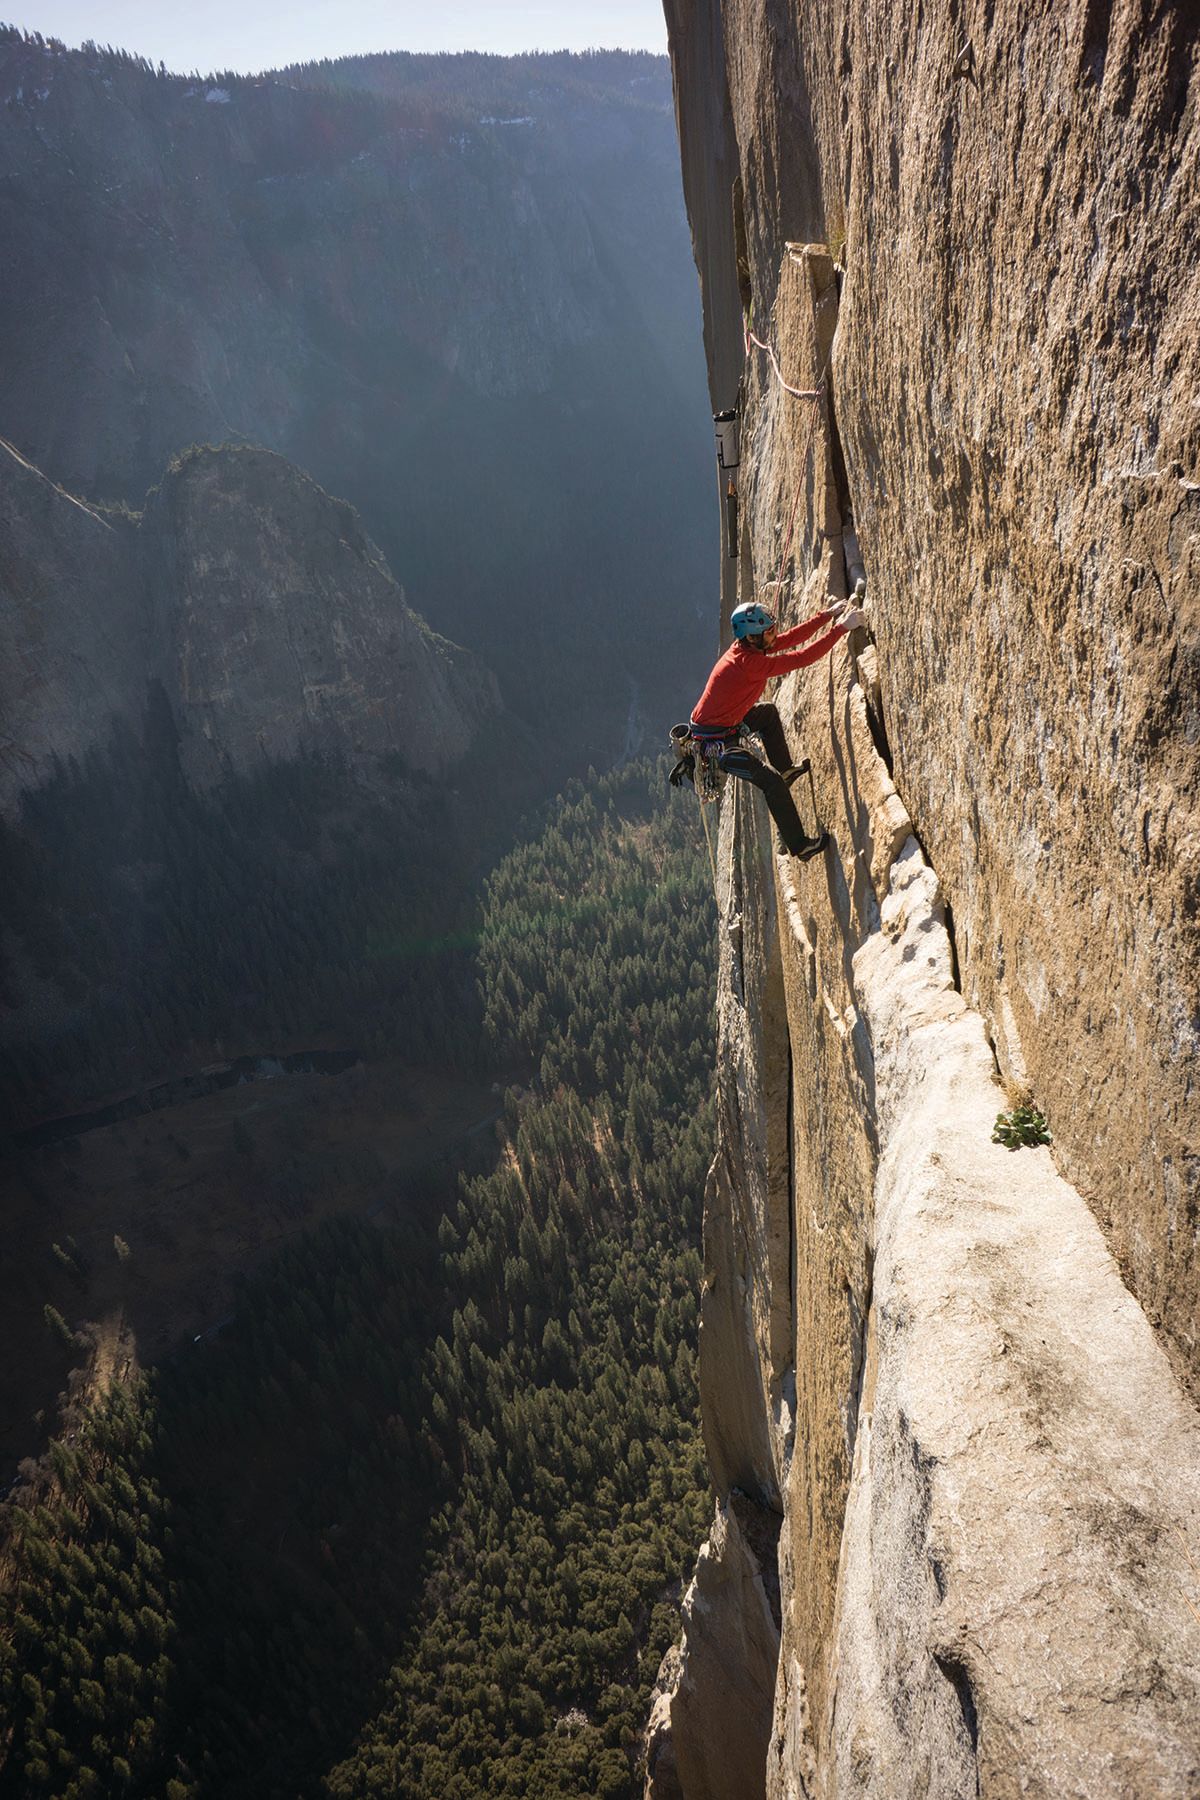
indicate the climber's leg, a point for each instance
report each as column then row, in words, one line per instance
column 765, row 720
column 744, row 767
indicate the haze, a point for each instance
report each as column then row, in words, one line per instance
column 229, row 35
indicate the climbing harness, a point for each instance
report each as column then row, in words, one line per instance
column 695, row 762
column 711, row 782
column 701, row 750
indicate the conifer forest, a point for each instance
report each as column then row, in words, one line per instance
column 418, row 1521
column 357, row 969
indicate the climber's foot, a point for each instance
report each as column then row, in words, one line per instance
column 810, row 847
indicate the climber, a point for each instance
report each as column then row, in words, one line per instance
column 731, row 700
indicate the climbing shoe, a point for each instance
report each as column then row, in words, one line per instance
column 810, row 847
column 795, row 772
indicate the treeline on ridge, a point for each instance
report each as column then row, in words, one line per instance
column 433, row 88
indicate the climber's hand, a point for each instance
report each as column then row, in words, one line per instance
column 852, row 618
column 837, row 609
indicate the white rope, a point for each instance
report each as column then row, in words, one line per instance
column 800, row 393
column 712, row 861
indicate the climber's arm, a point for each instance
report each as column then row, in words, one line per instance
column 802, row 659
column 800, row 634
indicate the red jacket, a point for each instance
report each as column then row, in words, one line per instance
column 737, row 682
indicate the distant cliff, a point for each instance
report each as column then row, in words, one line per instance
column 945, row 1384
column 250, row 599
column 456, row 290
column 237, row 774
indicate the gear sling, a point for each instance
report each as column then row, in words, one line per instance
column 723, row 750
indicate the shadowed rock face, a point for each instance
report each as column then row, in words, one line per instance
column 73, row 625
column 985, row 1459
column 730, row 1646
column 460, row 299
column 281, row 628
column 254, row 601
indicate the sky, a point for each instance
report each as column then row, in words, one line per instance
column 248, row 35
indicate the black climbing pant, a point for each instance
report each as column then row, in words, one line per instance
column 766, row 722
column 745, row 766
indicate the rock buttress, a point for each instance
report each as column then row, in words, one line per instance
column 986, row 1461
column 281, row 629
column 252, row 599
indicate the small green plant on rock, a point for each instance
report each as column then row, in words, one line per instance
column 1023, row 1126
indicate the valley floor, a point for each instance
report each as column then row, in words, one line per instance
column 197, row 1194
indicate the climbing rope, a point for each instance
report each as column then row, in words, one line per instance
column 800, row 393
column 791, row 524
column 712, row 861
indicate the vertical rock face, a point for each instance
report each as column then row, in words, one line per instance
column 1014, row 387
column 962, row 1373
column 725, row 1667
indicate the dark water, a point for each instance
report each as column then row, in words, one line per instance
column 187, row 1087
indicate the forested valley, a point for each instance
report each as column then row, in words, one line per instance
column 295, row 903
column 351, row 1159
column 416, row 1522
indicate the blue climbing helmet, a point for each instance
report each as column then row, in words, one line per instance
column 749, row 621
